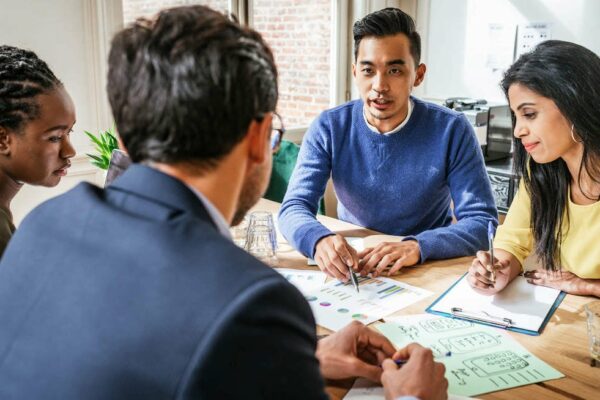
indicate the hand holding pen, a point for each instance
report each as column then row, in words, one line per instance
column 490, row 232
column 488, row 274
column 420, row 377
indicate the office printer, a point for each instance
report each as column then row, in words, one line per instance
column 492, row 124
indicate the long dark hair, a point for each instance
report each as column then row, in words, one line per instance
column 569, row 75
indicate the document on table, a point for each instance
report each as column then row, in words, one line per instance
column 305, row 281
column 483, row 359
column 521, row 307
column 364, row 389
column 336, row 304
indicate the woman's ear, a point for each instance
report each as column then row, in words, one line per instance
column 5, row 141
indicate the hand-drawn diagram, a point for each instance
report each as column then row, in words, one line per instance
column 444, row 324
column 496, row 363
column 468, row 343
column 478, row 359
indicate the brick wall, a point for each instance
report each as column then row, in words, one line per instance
column 299, row 33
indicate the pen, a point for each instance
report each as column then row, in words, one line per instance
column 402, row 362
column 491, row 244
column 353, row 278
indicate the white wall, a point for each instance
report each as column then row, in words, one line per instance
column 457, row 39
column 56, row 31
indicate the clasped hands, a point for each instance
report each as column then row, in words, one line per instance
column 358, row 351
column 334, row 255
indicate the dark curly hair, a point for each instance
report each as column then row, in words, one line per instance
column 22, row 77
column 185, row 86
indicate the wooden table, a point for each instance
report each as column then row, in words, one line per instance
column 563, row 343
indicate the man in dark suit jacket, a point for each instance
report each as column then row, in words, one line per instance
column 136, row 291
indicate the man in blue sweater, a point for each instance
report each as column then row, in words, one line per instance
column 397, row 164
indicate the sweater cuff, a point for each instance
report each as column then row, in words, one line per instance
column 406, row 238
column 308, row 239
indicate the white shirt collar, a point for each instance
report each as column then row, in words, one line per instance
column 396, row 129
column 214, row 213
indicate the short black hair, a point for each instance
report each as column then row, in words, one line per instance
column 185, row 86
column 386, row 22
column 23, row 76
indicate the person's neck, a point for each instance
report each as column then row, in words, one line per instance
column 221, row 185
column 584, row 190
column 389, row 124
column 8, row 189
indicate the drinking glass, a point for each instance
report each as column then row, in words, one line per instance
column 260, row 243
column 264, row 218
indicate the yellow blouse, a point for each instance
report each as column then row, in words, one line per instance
column 580, row 248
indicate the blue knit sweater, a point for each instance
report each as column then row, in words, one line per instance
column 400, row 184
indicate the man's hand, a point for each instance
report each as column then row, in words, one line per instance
column 562, row 280
column 479, row 276
column 400, row 254
column 334, row 255
column 420, row 377
column 355, row 351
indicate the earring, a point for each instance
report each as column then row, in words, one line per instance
column 573, row 135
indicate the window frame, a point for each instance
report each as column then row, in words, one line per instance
column 105, row 17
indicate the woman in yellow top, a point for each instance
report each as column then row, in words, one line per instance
column 554, row 93
column 36, row 117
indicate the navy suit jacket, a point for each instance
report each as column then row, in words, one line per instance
column 130, row 292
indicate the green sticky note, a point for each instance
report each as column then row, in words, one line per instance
column 482, row 359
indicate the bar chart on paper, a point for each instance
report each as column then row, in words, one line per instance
column 336, row 303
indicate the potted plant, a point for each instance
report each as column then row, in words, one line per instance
column 104, row 144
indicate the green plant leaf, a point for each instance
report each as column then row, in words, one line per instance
column 104, row 143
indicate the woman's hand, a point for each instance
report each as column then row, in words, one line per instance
column 563, row 280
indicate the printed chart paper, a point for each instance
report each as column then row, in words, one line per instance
column 336, row 303
column 305, row 281
column 483, row 359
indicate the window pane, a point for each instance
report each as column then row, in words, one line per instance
column 299, row 32
column 133, row 9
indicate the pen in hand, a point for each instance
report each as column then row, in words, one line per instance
column 353, row 278
column 402, row 362
column 490, row 232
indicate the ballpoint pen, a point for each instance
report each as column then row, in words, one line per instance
column 491, row 244
column 353, row 278
column 402, row 362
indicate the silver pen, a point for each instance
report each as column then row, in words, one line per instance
column 353, row 278
column 491, row 244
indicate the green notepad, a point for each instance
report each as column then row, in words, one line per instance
column 482, row 359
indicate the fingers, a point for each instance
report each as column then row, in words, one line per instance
column 389, row 365
column 397, row 265
column 480, row 274
column 375, row 341
column 329, row 267
column 372, row 372
column 406, row 352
